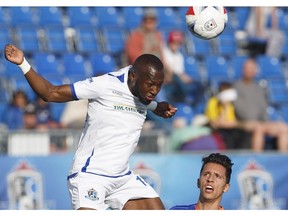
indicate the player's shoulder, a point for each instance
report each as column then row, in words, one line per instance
column 184, row 207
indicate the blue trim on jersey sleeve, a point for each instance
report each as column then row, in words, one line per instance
column 120, row 77
column 84, row 169
column 73, row 92
column 184, row 207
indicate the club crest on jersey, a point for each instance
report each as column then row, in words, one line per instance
column 92, row 195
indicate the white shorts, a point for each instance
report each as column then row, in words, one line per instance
column 101, row 192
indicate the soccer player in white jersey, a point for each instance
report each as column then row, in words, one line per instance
column 100, row 177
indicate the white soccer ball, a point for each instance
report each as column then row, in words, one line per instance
column 206, row 22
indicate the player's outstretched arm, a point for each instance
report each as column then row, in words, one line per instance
column 165, row 110
column 46, row 90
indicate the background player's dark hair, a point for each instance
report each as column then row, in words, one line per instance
column 147, row 60
column 223, row 160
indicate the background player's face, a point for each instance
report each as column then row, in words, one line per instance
column 212, row 182
column 148, row 84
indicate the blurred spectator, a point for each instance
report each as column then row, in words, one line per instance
column 13, row 115
column 30, row 117
column 44, row 117
column 264, row 34
column 145, row 39
column 179, row 86
column 251, row 106
column 74, row 114
column 221, row 115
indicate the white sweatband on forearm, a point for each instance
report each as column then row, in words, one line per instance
column 152, row 106
column 24, row 66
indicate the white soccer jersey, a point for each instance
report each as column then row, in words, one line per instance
column 113, row 125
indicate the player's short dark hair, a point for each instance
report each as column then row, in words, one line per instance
column 221, row 159
column 148, row 60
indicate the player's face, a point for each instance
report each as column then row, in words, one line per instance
column 212, row 182
column 148, row 85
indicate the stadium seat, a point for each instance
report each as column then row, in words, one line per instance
column 217, row 68
column 75, row 67
column 87, row 39
column 27, row 37
column 197, row 46
column 55, row 38
column 5, row 36
column 57, row 110
column 241, row 16
column 192, row 68
column 132, row 17
column 270, row 67
column 102, row 63
column 114, row 39
column 227, row 44
column 184, row 111
column 80, row 16
column 49, row 16
column 167, row 18
column 21, row 16
column 236, row 63
column 47, row 65
column 107, row 16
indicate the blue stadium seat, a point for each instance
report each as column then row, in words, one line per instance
column 192, row 68
column 114, row 39
column 49, row 16
column 47, row 65
column 74, row 66
column 270, row 67
column 217, row 68
column 57, row 110
column 277, row 91
column 197, row 46
column 5, row 36
column 80, row 16
column 28, row 38
column 87, row 39
column 227, row 44
column 132, row 17
column 21, row 15
column 107, row 16
column 167, row 18
column 3, row 18
column 236, row 63
column 102, row 63
column 184, row 111
column 56, row 41
column 242, row 14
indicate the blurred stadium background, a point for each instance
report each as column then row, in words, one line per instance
column 70, row 43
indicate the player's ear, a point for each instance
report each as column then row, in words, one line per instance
column 226, row 188
column 198, row 183
column 132, row 72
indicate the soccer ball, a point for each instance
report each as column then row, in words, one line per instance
column 206, row 22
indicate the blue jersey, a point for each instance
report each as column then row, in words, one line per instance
column 184, row 207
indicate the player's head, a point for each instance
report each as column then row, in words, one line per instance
column 249, row 69
column 220, row 159
column 146, row 77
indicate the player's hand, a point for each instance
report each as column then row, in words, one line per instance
column 13, row 54
column 165, row 110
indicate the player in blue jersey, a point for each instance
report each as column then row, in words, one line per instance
column 213, row 182
column 100, row 176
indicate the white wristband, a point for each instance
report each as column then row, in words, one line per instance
column 152, row 106
column 25, row 66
